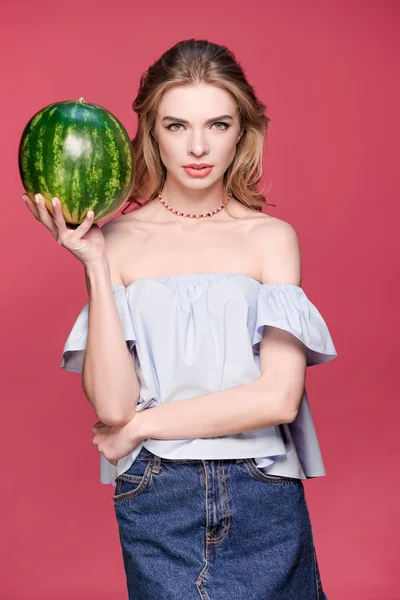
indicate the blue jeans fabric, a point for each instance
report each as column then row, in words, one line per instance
column 214, row 530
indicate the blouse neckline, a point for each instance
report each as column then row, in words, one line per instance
column 188, row 277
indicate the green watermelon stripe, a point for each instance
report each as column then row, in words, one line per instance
column 46, row 180
column 23, row 160
column 97, row 165
column 32, row 145
column 127, row 153
column 126, row 146
column 58, row 185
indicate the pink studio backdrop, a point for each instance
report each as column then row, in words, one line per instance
column 328, row 73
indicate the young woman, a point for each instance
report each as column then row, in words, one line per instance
column 196, row 311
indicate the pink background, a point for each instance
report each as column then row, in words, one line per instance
column 328, row 72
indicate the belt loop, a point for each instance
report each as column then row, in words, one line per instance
column 156, row 464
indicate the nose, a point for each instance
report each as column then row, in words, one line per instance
column 198, row 144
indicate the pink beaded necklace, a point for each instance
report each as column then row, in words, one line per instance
column 192, row 216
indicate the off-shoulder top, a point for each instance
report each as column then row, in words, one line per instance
column 194, row 334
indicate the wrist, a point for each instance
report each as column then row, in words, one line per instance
column 97, row 267
column 141, row 426
column 97, row 273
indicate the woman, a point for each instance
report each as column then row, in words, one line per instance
column 197, row 311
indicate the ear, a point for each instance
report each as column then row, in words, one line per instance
column 240, row 136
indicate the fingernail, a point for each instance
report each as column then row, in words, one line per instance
column 37, row 198
column 24, row 198
column 54, row 201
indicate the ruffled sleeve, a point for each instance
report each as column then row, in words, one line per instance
column 75, row 346
column 287, row 307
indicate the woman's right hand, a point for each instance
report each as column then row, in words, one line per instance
column 85, row 241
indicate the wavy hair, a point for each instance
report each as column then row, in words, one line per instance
column 190, row 62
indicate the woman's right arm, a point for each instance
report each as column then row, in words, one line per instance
column 109, row 378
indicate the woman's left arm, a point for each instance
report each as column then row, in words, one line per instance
column 242, row 408
column 270, row 400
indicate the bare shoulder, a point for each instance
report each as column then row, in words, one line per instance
column 273, row 231
column 277, row 230
column 279, row 248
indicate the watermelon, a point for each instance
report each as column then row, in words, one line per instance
column 80, row 153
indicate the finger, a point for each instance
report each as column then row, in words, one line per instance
column 86, row 224
column 58, row 216
column 31, row 205
column 59, row 220
column 96, row 427
column 44, row 215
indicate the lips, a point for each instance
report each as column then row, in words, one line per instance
column 198, row 171
column 197, row 166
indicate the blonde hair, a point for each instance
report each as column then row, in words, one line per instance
column 190, row 62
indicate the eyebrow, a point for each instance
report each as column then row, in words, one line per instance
column 168, row 118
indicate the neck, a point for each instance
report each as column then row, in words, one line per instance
column 193, row 201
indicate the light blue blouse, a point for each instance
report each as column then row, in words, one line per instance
column 195, row 334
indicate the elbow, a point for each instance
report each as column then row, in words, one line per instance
column 111, row 415
column 291, row 409
column 285, row 404
column 114, row 417
column 290, row 417
column 115, row 420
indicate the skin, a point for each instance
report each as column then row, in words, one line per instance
column 206, row 244
column 196, row 245
column 196, row 142
column 135, row 240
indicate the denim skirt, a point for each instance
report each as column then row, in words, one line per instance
column 214, row 530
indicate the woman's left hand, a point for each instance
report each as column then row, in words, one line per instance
column 115, row 442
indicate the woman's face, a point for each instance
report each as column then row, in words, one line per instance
column 197, row 124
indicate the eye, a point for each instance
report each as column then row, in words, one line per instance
column 173, row 125
column 225, row 125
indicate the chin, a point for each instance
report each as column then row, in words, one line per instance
column 200, row 184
